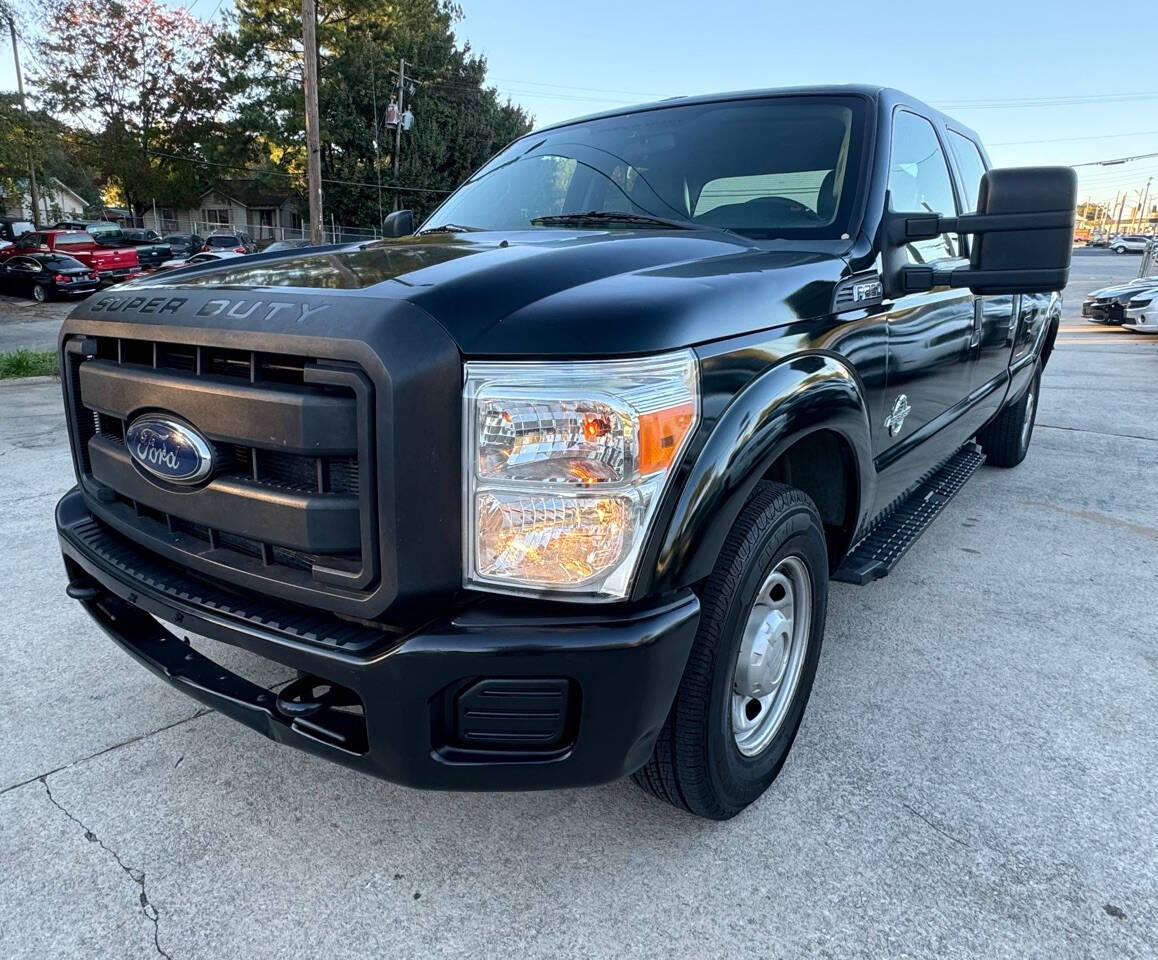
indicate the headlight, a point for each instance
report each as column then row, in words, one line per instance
column 564, row 467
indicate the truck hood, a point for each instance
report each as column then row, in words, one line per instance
column 559, row 292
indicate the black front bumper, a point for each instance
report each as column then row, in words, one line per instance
column 457, row 704
column 1098, row 312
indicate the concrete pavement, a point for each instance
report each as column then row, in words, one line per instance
column 974, row 776
column 28, row 325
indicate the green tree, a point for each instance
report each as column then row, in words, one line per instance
column 140, row 103
column 54, row 149
column 458, row 123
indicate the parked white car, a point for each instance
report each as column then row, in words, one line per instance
column 1142, row 312
column 201, row 258
column 1131, row 243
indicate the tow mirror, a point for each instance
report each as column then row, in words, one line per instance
column 1024, row 229
column 400, row 223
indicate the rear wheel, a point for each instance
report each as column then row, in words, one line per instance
column 1005, row 441
column 752, row 664
column 41, row 293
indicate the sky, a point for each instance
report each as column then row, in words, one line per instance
column 1042, row 82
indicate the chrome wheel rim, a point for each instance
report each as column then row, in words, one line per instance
column 1027, row 425
column 771, row 657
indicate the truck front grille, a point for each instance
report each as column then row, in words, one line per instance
column 289, row 508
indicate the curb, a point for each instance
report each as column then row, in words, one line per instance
column 14, row 381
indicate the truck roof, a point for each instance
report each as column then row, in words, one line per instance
column 888, row 96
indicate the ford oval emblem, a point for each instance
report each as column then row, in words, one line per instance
column 168, row 449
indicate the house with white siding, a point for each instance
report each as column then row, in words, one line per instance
column 58, row 201
column 264, row 213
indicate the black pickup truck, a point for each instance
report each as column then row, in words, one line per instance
column 550, row 492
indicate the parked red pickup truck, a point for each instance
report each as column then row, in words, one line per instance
column 113, row 264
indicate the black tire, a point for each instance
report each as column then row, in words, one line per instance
column 41, row 293
column 1119, row 250
column 696, row 764
column 1005, row 441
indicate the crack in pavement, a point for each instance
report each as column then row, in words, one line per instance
column 1096, row 433
column 109, row 749
column 137, row 876
column 945, row 833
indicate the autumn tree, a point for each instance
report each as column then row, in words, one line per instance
column 142, row 103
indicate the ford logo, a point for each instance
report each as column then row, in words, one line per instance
column 169, row 449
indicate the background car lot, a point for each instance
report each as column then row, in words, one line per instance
column 974, row 775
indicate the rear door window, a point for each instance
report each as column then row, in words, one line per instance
column 919, row 182
column 971, row 165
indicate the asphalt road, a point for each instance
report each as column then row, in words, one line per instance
column 974, row 777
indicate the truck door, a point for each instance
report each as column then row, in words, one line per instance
column 996, row 317
column 931, row 334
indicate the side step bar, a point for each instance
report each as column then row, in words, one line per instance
column 883, row 546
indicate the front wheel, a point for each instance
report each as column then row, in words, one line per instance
column 750, row 670
column 1119, row 249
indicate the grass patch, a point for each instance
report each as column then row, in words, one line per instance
column 28, row 363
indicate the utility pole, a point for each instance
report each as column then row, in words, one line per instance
column 377, row 152
column 1108, row 211
column 34, row 193
column 398, row 125
column 313, row 143
column 1118, row 225
column 1145, row 215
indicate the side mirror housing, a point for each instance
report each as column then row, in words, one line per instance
column 400, row 223
column 1023, row 229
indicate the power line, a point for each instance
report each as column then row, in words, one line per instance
column 281, row 173
column 1097, row 136
column 1115, row 160
column 564, row 86
column 1046, row 101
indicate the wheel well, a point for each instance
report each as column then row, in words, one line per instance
column 823, row 465
column 1050, row 339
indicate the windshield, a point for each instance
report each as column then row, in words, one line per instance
column 223, row 240
column 774, row 167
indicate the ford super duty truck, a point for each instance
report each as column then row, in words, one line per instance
column 550, row 492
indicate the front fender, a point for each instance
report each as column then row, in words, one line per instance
column 792, row 399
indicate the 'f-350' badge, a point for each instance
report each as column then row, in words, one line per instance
column 895, row 420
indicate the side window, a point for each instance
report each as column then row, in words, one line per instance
column 970, row 164
column 919, row 182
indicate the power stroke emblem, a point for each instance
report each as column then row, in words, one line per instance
column 170, row 450
column 895, row 420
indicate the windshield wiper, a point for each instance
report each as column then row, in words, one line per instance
column 449, row 228
column 611, row 216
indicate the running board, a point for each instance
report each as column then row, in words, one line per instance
column 883, row 546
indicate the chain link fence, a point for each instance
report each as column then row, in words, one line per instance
column 262, row 234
